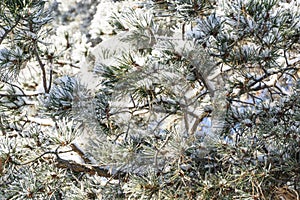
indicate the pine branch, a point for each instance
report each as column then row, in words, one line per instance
column 42, row 66
column 103, row 171
column 7, row 31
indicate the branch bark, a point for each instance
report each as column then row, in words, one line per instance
column 91, row 169
column 86, row 168
column 42, row 66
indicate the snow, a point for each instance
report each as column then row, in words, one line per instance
column 81, row 29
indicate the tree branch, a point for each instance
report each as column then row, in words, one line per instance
column 42, row 66
column 86, row 168
column 7, row 31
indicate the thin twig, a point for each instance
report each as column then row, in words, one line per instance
column 50, row 78
column 197, row 122
column 61, row 62
column 7, row 31
column 42, row 66
column 20, row 95
column 76, row 149
column 35, row 159
column 13, row 85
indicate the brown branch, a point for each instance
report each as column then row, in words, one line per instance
column 104, row 171
column 13, row 85
column 76, row 149
column 87, row 168
column 62, row 63
column 42, row 66
column 20, row 95
column 50, row 78
column 198, row 120
column 7, row 31
column 91, row 169
column 203, row 80
column 78, row 167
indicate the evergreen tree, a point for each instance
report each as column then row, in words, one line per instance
column 190, row 99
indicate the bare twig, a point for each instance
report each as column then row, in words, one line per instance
column 50, row 78
column 198, row 120
column 62, row 63
column 7, row 31
column 76, row 149
column 76, row 167
column 20, row 95
column 42, row 66
column 13, row 85
column 85, row 168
